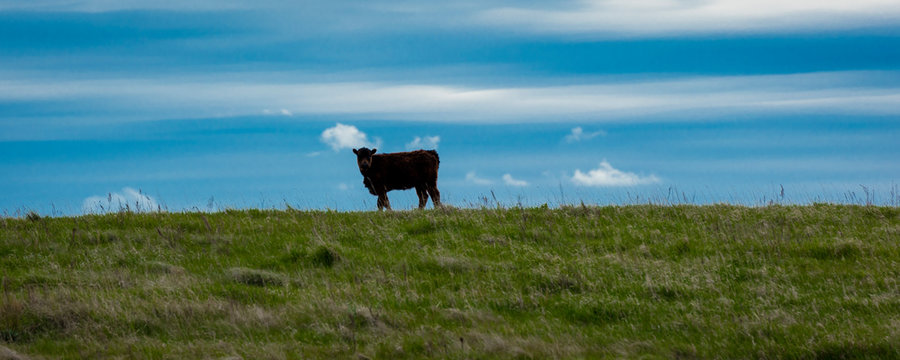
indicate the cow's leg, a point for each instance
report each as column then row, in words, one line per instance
column 387, row 203
column 383, row 201
column 380, row 204
column 423, row 196
column 435, row 194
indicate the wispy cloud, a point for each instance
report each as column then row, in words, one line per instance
column 603, row 18
column 578, row 134
column 509, row 180
column 669, row 18
column 346, row 137
column 284, row 112
column 473, row 178
column 606, row 175
column 830, row 92
column 427, row 142
column 129, row 199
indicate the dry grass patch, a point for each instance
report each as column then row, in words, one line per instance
column 255, row 277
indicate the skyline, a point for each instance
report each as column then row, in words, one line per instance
column 208, row 105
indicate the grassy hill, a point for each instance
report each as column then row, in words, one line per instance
column 820, row 281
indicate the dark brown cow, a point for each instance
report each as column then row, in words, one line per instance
column 400, row 171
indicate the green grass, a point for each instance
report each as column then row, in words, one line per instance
column 807, row 282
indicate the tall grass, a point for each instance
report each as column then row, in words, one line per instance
column 718, row 281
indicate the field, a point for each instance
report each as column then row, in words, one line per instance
column 648, row 281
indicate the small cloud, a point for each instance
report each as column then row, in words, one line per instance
column 346, row 137
column 428, row 142
column 472, row 178
column 343, row 187
column 606, row 175
column 284, row 112
column 128, row 199
column 509, row 180
column 313, row 154
column 578, row 134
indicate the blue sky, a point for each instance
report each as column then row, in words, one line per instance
column 219, row 104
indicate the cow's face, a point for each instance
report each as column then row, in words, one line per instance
column 364, row 158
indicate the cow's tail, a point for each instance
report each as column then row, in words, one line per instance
column 436, row 157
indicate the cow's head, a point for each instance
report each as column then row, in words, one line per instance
column 364, row 158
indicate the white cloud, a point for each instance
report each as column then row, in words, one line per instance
column 472, row 178
column 509, row 180
column 578, row 134
column 343, row 187
column 428, row 142
column 606, row 175
column 668, row 18
column 283, row 112
column 605, row 18
column 128, row 199
column 346, row 137
column 856, row 92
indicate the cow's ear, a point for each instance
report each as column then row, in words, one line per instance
column 374, row 150
column 355, row 151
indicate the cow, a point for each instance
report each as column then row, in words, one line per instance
column 400, row 171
